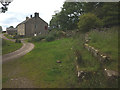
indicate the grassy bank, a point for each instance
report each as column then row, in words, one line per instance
column 9, row 46
column 106, row 41
column 40, row 67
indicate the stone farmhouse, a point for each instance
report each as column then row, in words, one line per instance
column 32, row 26
column 11, row 30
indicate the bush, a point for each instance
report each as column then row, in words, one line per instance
column 37, row 38
column 88, row 21
column 17, row 41
column 50, row 38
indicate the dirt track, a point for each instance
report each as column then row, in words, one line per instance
column 27, row 47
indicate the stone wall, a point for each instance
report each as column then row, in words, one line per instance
column 11, row 31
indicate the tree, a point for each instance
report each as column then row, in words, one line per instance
column 88, row 21
column 67, row 19
column 111, row 12
column 108, row 11
column 0, row 28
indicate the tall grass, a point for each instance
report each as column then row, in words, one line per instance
column 106, row 41
column 9, row 46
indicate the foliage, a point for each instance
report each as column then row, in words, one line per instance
column 88, row 21
column 67, row 18
column 50, row 38
column 0, row 28
column 8, row 36
column 106, row 41
column 37, row 38
column 18, row 36
column 108, row 12
column 17, row 41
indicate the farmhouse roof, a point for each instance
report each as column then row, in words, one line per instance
column 28, row 19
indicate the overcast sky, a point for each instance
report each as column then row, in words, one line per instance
column 19, row 9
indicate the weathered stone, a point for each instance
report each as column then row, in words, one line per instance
column 111, row 73
column 58, row 61
column 79, row 73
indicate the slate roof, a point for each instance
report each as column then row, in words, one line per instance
column 28, row 20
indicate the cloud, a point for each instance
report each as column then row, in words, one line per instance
column 19, row 9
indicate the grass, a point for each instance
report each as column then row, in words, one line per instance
column 107, row 42
column 8, row 36
column 40, row 67
column 9, row 46
column 89, row 62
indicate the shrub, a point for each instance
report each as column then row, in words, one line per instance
column 37, row 38
column 88, row 21
column 17, row 41
column 50, row 38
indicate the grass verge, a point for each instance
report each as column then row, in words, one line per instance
column 9, row 46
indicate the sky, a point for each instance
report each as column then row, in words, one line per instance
column 18, row 10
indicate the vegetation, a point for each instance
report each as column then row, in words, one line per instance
column 9, row 46
column 17, row 41
column 43, row 70
column 8, row 36
column 68, row 17
column 85, row 20
column 53, row 35
column 0, row 28
column 106, row 41
column 42, row 67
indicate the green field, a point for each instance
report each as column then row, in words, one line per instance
column 40, row 67
column 9, row 46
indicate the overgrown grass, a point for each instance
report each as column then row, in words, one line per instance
column 8, row 36
column 40, row 66
column 9, row 46
column 89, row 62
column 107, row 42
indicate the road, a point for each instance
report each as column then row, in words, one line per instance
column 27, row 47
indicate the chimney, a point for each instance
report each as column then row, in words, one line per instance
column 30, row 16
column 27, row 18
column 36, row 14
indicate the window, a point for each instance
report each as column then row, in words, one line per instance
column 46, row 27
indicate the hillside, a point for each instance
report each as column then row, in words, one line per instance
column 43, row 70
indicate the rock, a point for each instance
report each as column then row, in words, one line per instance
column 60, row 65
column 12, row 79
column 111, row 73
column 58, row 61
column 79, row 73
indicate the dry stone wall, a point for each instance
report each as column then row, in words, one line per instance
column 100, row 56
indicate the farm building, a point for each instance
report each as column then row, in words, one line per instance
column 11, row 30
column 32, row 26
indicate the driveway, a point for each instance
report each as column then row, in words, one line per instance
column 27, row 47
